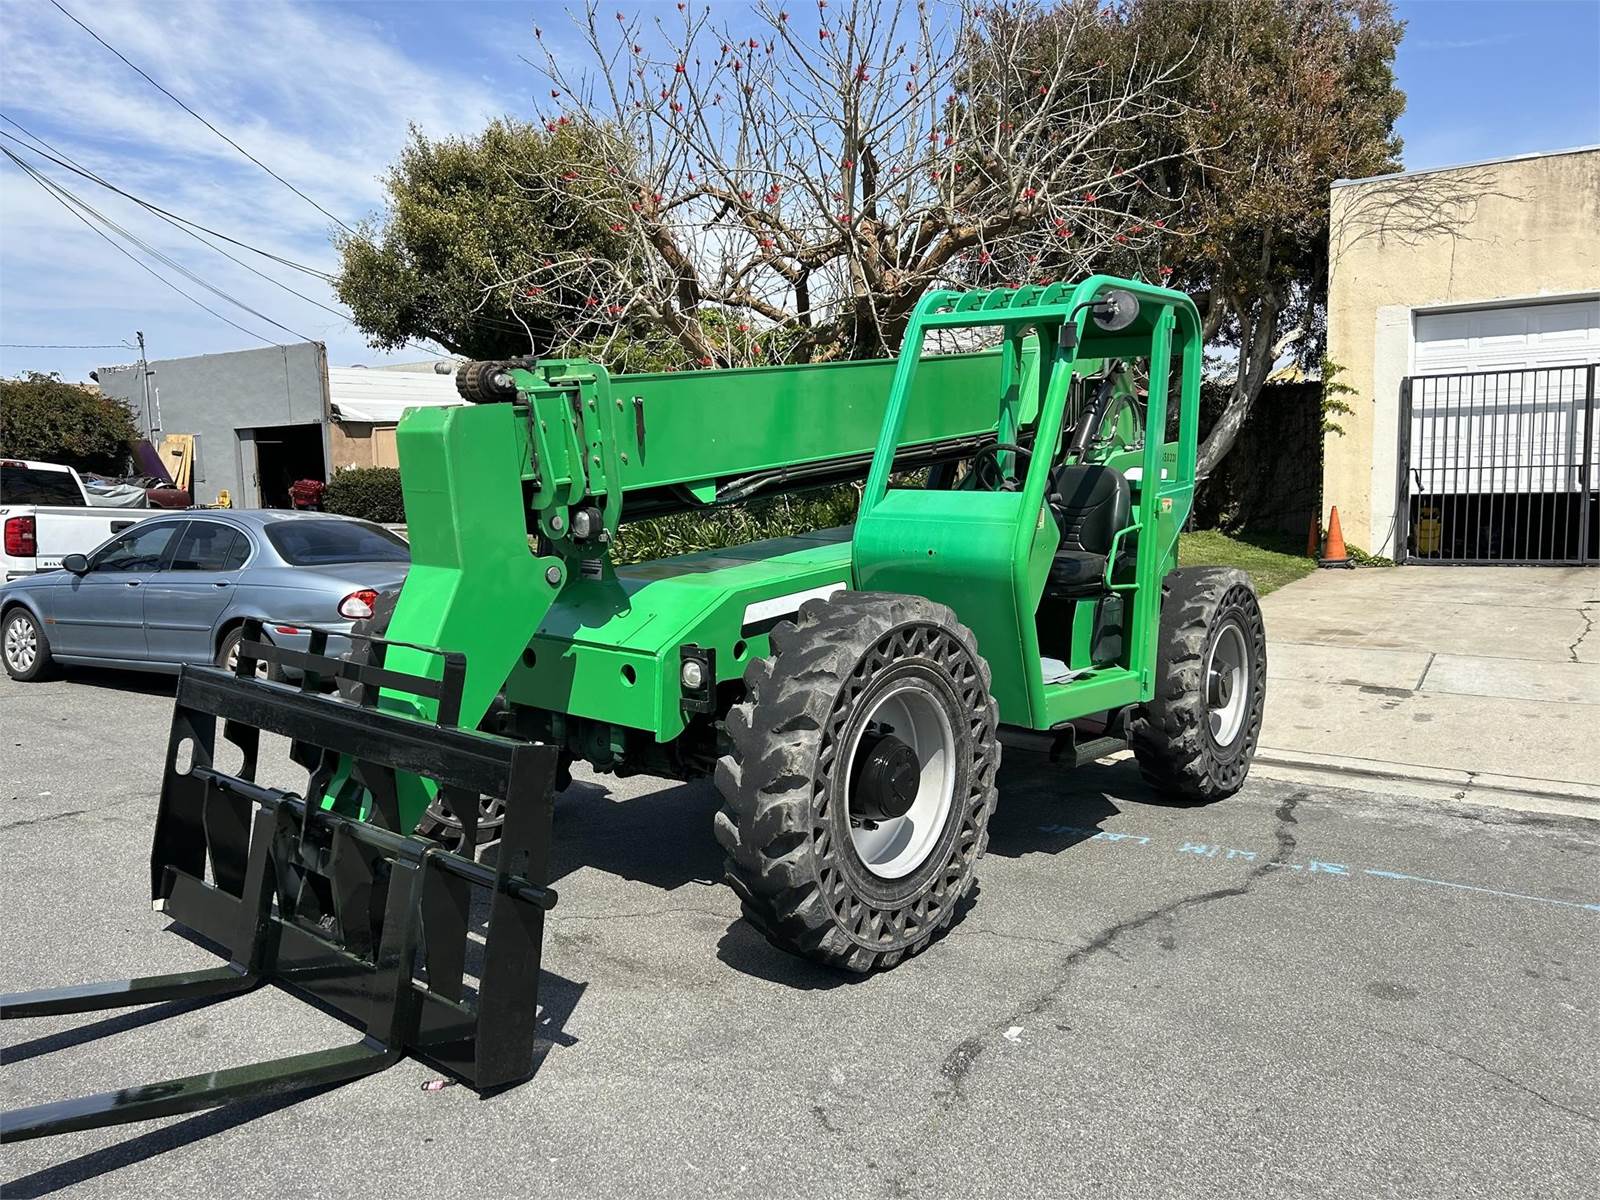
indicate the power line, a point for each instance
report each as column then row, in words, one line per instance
column 61, row 159
column 64, row 346
column 167, row 260
column 51, row 189
column 201, row 119
column 182, row 224
column 77, row 169
column 176, row 224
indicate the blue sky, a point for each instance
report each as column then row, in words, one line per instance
column 323, row 93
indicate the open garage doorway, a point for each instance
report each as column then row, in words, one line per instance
column 283, row 455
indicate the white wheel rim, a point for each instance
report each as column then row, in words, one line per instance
column 233, row 662
column 1227, row 684
column 895, row 847
column 22, row 644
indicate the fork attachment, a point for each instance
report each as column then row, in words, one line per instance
column 356, row 915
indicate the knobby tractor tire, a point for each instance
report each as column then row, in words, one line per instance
column 786, row 823
column 1196, row 738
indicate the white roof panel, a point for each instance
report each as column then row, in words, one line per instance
column 382, row 397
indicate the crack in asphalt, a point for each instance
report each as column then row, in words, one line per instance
column 26, row 821
column 634, row 916
column 113, row 806
column 820, row 1112
column 959, row 1063
column 1588, row 628
column 1549, row 1101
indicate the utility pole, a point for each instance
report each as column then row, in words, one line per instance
column 144, row 382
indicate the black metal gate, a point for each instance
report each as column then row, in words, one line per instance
column 1500, row 467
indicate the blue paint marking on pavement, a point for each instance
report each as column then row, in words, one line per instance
column 1468, row 887
column 1314, row 867
column 1097, row 835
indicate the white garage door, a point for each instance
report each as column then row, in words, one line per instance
column 1501, row 450
column 1503, row 339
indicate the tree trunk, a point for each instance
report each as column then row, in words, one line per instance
column 1259, row 348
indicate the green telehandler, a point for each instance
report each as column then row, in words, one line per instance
column 1010, row 580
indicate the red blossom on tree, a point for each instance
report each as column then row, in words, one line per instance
column 947, row 163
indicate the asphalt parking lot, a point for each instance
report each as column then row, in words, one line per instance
column 1301, row 991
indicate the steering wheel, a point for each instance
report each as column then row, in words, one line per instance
column 990, row 475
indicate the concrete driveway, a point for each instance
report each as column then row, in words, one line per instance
column 1473, row 679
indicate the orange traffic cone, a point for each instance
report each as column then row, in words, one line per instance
column 1335, row 555
column 1314, row 538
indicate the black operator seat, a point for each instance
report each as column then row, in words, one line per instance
column 1091, row 503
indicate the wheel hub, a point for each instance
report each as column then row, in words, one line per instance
column 900, row 782
column 21, row 644
column 886, row 778
column 1227, row 684
column 1221, row 687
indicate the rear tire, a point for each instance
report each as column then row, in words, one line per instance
column 24, row 646
column 228, row 656
column 861, row 780
column 1196, row 737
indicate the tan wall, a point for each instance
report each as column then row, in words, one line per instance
column 1517, row 230
column 355, row 444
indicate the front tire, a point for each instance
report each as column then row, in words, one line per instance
column 24, row 646
column 858, row 792
column 1194, row 740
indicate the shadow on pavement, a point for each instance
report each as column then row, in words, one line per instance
column 744, row 949
column 106, row 1027
column 110, row 680
column 147, row 1146
column 1045, row 808
column 662, row 838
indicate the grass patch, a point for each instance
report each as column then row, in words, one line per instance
column 1271, row 559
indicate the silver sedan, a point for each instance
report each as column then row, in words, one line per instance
column 178, row 589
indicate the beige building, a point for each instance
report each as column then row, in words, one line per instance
column 1464, row 308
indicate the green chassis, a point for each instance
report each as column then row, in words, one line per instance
column 591, row 656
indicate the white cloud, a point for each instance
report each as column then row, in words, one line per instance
column 321, row 94
column 1472, row 43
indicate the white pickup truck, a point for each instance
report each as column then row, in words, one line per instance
column 45, row 515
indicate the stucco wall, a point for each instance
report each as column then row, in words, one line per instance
column 1517, row 230
column 215, row 396
column 361, row 444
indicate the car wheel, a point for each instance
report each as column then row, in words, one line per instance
column 24, row 646
column 228, row 656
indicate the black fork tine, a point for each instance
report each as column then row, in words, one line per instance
column 278, row 876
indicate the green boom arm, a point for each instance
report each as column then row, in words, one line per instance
column 504, row 502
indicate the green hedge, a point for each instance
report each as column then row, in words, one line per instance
column 43, row 418
column 371, row 493
column 736, row 524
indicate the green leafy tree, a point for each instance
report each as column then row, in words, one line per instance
column 44, row 419
column 1276, row 99
column 472, row 255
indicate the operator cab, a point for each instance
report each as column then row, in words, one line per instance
column 1039, row 545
